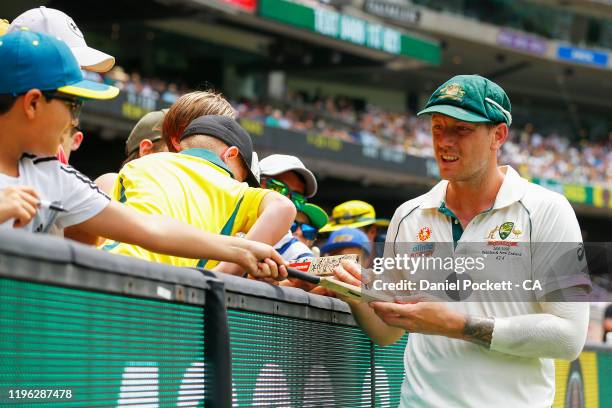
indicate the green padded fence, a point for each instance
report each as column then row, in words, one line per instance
column 100, row 349
column 389, row 373
column 288, row 362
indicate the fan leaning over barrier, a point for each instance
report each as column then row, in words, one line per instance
column 204, row 185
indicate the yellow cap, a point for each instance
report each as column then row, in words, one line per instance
column 354, row 214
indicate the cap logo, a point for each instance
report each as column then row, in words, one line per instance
column 452, row 91
column 73, row 27
column 343, row 238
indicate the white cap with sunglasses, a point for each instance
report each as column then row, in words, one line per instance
column 276, row 164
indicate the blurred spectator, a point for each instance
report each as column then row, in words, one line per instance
column 356, row 214
column 348, row 241
column 288, row 176
column 555, row 157
column 171, row 94
column 117, row 77
column 145, row 138
column 308, row 221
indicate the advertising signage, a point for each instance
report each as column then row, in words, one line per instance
column 393, row 10
column 522, row 42
column 582, row 56
column 351, row 29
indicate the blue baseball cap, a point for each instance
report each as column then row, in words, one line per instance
column 32, row 60
column 347, row 238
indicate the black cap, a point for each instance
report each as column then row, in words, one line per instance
column 608, row 312
column 229, row 132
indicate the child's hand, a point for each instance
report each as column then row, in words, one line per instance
column 20, row 203
column 270, row 263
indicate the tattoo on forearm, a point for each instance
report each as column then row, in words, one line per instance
column 479, row 330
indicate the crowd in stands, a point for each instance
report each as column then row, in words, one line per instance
column 153, row 88
column 534, row 155
column 553, row 156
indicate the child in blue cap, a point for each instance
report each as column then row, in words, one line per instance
column 348, row 241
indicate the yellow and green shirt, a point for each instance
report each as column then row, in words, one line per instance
column 194, row 187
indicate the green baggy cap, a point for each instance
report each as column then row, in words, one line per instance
column 470, row 98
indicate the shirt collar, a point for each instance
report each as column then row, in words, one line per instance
column 512, row 190
column 435, row 197
column 207, row 155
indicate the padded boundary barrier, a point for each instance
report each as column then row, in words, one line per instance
column 121, row 332
column 106, row 330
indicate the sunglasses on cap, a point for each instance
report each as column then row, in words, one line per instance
column 73, row 104
column 275, row 185
column 308, row 231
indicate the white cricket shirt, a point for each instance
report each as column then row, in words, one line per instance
column 60, row 184
column 444, row 372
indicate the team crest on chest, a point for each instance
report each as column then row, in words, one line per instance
column 424, row 234
column 507, row 232
column 505, row 229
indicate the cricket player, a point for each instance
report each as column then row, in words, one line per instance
column 478, row 354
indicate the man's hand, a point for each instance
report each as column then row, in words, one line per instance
column 380, row 332
column 20, row 203
column 423, row 317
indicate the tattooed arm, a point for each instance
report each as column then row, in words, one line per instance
column 479, row 330
column 559, row 332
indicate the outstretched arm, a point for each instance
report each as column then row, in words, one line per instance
column 274, row 218
column 168, row 236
